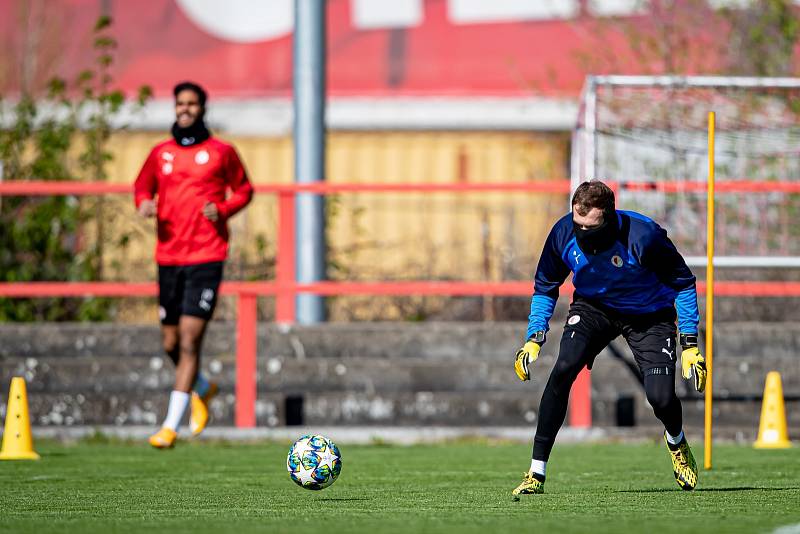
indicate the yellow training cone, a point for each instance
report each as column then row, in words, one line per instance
column 772, row 430
column 17, row 441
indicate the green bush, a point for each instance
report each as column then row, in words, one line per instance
column 61, row 134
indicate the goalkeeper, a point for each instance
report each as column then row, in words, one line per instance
column 629, row 279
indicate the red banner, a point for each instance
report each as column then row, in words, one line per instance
column 243, row 48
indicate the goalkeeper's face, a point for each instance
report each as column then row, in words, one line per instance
column 187, row 108
column 595, row 231
column 593, row 218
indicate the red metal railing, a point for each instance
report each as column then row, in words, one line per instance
column 284, row 288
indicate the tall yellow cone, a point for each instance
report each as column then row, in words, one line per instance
column 772, row 432
column 17, row 440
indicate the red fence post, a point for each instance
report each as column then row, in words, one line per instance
column 580, row 401
column 284, row 260
column 246, row 368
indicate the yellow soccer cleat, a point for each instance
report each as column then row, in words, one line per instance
column 163, row 439
column 529, row 486
column 683, row 465
column 199, row 417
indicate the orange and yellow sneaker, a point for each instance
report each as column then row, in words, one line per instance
column 163, row 439
column 199, row 417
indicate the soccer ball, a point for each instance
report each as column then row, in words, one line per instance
column 314, row 462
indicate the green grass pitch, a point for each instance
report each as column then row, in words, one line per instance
column 465, row 487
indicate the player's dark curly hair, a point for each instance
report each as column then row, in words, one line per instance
column 593, row 194
column 202, row 96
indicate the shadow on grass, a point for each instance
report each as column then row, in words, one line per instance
column 750, row 488
column 343, row 499
column 737, row 488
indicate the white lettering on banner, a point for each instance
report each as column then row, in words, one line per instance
column 616, row 8
column 481, row 11
column 737, row 4
column 718, row 4
column 241, row 21
column 369, row 14
column 247, row 21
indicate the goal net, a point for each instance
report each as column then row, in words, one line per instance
column 648, row 136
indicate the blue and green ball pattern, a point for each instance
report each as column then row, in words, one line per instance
column 314, row 462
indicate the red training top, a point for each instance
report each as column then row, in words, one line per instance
column 185, row 179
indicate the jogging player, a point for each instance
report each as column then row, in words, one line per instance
column 184, row 183
column 629, row 279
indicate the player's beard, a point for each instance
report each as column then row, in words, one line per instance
column 600, row 239
column 193, row 134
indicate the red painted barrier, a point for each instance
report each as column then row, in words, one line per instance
column 246, row 360
column 285, row 259
column 267, row 289
column 580, row 401
column 49, row 188
column 729, row 186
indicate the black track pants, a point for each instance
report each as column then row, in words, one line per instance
column 589, row 329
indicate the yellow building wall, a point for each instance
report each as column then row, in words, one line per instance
column 378, row 236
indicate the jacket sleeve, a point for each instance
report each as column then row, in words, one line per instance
column 146, row 184
column 241, row 189
column 660, row 256
column 550, row 275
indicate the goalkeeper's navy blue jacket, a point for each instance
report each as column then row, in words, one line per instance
column 641, row 273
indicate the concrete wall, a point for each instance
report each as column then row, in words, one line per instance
column 369, row 374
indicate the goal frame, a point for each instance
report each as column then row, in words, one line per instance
column 583, row 159
column 584, row 163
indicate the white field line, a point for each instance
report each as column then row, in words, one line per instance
column 788, row 529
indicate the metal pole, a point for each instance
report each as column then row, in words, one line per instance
column 309, row 155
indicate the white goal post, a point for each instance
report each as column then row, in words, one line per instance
column 648, row 135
